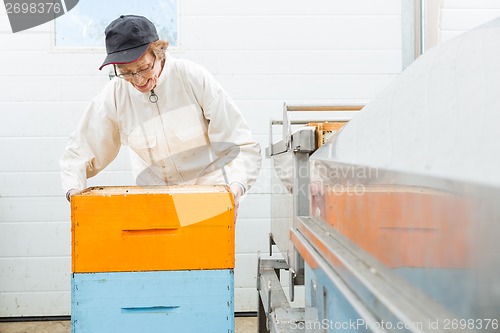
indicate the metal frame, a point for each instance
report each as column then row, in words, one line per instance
column 285, row 143
column 275, row 313
column 413, row 26
column 316, row 241
column 302, row 144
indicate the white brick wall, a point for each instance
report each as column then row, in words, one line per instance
column 263, row 52
column 458, row 16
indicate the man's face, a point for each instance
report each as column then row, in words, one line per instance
column 143, row 73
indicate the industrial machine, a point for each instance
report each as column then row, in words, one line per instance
column 378, row 250
column 392, row 223
column 299, row 137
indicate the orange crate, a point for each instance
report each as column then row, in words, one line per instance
column 124, row 229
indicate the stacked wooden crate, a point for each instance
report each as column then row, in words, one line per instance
column 153, row 259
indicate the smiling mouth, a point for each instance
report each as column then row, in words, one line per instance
column 143, row 85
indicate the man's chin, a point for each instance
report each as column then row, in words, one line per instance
column 144, row 88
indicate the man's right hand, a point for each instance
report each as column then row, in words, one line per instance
column 72, row 192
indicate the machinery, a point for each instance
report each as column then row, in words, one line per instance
column 377, row 250
column 290, row 199
column 392, row 223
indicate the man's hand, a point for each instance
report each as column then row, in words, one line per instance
column 72, row 192
column 237, row 191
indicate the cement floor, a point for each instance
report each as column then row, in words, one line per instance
column 242, row 325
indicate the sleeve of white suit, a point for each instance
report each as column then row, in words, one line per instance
column 227, row 125
column 93, row 145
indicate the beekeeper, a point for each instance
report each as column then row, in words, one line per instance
column 179, row 123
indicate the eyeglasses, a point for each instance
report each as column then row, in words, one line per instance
column 130, row 76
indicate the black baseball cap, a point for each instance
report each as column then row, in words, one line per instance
column 127, row 38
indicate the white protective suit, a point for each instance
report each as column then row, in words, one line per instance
column 193, row 134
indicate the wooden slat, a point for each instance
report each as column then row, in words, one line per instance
column 49, row 274
column 40, row 184
column 36, row 303
column 55, row 89
column 42, row 154
column 21, row 240
column 305, row 87
column 218, row 62
column 468, row 4
column 292, row 33
column 285, row 62
column 319, row 108
column 35, row 119
column 291, row 7
column 34, row 209
column 453, row 19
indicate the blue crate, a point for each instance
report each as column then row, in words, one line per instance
column 160, row 301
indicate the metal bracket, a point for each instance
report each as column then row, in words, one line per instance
column 285, row 143
column 276, row 311
column 271, row 243
column 291, row 288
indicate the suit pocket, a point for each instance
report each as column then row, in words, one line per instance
column 185, row 123
column 141, row 142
